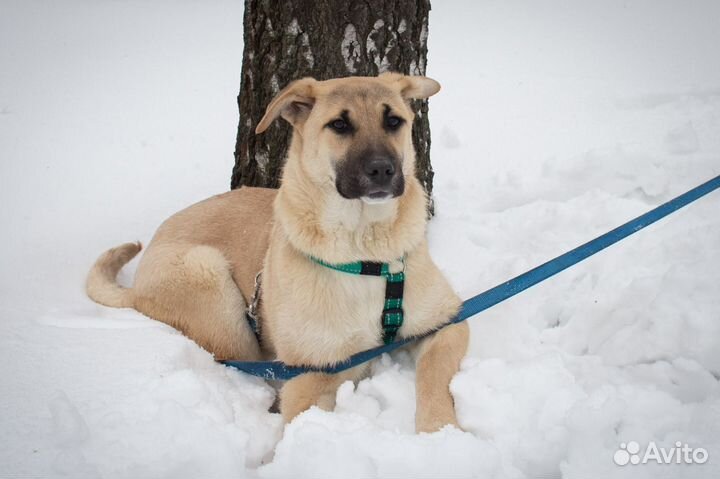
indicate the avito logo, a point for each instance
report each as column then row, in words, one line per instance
column 679, row 454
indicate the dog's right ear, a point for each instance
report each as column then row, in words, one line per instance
column 293, row 103
column 412, row 87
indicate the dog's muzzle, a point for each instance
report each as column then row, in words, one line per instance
column 374, row 178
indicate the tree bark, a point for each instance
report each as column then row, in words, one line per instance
column 323, row 39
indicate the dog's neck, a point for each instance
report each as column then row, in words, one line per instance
column 317, row 221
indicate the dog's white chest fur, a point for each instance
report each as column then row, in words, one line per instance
column 318, row 315
column 347, row 315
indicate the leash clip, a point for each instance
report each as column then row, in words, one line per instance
column 251, row 313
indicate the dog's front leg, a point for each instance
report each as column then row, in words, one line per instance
column 437, row 362
column 314, row 389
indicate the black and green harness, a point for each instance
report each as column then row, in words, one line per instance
column 392, row 315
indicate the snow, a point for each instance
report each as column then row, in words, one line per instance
column 556, row 122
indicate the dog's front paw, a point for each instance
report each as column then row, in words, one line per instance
column 432, row 421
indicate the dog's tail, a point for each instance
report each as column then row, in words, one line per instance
column 101, row 285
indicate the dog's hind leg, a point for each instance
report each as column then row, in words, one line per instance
column 438, row 360
column 192, row 289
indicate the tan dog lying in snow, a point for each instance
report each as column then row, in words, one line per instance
column 348, row 194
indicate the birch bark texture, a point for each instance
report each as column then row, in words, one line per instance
column 323, row 39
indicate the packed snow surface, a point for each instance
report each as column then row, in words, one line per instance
column 557, row 121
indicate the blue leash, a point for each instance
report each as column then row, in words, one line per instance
column 491, row 297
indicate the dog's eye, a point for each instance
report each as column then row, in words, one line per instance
column 340, row 126
column 393, row 122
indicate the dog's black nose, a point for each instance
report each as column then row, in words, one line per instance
column 379, row 170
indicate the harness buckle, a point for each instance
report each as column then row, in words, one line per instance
column 392, row 318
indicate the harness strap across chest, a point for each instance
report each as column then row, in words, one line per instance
column 392, row 314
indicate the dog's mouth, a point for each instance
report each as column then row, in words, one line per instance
column 372, row 175
column 377, row 197
column 354, row 188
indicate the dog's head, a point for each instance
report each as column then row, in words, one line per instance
column 355, row 132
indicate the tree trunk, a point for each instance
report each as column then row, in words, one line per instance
column 323, row 39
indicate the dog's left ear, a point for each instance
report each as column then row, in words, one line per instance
column 293, row 103
column 412, row 86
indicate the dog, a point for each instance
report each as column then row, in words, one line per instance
column 348, row 194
